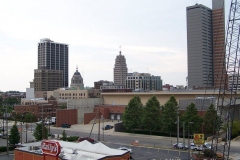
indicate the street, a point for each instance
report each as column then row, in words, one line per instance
column 150, row 147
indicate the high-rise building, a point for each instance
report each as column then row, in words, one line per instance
column 218, row 27
column 53, row 56
column 47, row 80
column 120, row 70
column 205, row 41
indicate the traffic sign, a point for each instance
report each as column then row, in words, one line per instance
column 198, row 139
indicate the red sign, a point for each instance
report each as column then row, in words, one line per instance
column 50, row 148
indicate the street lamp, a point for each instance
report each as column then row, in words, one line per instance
column 184, row 134
column 178, row 127
column 189, row 146
column 21, row 127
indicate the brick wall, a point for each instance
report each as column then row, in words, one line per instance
column 68, row 116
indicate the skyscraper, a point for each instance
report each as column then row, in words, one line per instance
column 120, row 70
column 218, row 25
column 53, row 56
column 199, row 42
column 205, row 39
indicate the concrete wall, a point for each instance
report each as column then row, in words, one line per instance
column 162, row 96
column 83, row 106
column 30, row 93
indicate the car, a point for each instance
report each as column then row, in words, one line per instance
column 180, row 146
column 86, row 138
column 39, row 122
column 47, row 122
column 65, row 125
column 107, row 127
column 200, row 147
column 125, row 149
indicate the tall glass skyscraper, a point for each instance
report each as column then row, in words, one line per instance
column 53, row 56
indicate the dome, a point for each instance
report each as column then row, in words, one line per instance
column 77, row 73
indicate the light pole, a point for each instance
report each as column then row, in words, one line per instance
column 184, row 134
column 202, row 127
column 21, row 127
column 177, row 128
column 189, row 146
column 31, row 120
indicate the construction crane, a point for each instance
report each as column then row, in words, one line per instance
column 226, row 102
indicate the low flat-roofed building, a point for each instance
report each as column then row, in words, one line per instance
column 68, row 151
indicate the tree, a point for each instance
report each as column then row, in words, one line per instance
column 191, row 115
column 151, row 116
column 14, row 137
column 63, row 106
column 38, row 132
column 173, row 100
column 64, row 136
column 235, row 129
column 209, row 119
column 169, row 117
column 132, row 114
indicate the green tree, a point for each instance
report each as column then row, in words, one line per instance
column 14, row 137
column 38, row 132
column 173, row 100
column 63, row 106
column 169, row 117
column 235, row 129
column 64, row 136
column 191, row 115
column 209, row 119
column 132, row 115
column 151, row 116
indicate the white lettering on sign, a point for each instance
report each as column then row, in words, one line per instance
column 49, row 147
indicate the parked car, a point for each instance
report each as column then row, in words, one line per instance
column 107, row 127
column 125, row 149
column 4, row 136
column 86, row 138
column 47, row 122
column 180, row 146
column 65, row 125
column 39, row 122
column 200, row 147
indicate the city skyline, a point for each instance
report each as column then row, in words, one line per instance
column 152, row 36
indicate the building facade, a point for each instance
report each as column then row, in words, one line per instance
column 143, row 82
column 199, row 46
column 205, row 44
column 218, row 28
column 99, row 83
column 120, row 70
column 62, row 94
column 47, row 80
column 53, row 56
column 77, row 81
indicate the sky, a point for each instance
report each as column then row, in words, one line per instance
column 151, row 33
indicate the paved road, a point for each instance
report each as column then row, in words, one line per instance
column 116, row 139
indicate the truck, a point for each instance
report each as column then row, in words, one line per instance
column 53, row 120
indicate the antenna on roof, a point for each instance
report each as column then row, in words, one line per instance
column 120, row 50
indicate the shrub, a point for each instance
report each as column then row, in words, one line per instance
column 208, row 153
column 72, row 138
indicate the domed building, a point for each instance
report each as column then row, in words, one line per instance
column 77, row 81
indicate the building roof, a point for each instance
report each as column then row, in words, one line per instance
column 84, row 149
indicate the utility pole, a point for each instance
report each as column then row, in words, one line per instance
column 7, row 129
column 21, row 127
column 42, row 123
column 184, row 134
column 178, row 128
column 26, row 130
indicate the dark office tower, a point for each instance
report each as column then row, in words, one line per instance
column 53, row 56
column 199, row 46
column 120, row 70
column 218, row 27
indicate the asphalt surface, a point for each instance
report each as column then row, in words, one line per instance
column 150, row 147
